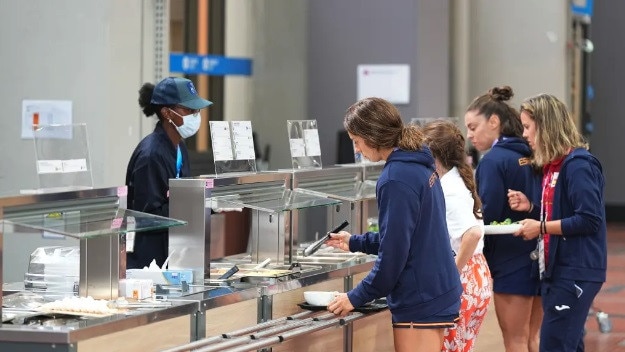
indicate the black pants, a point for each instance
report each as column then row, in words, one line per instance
column 150, row 245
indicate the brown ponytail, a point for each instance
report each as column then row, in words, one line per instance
column 446, row 142
column 380, row 125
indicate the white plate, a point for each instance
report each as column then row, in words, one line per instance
column 501, row 229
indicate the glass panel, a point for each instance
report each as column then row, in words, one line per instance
column 304, row 144
column 89, row 223
column 274, row 202
column 62, row 154
column 359, row 191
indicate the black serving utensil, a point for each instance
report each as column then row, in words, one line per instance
column 315, row 246
column 229, row 273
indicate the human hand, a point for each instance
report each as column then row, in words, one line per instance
column 529, row 230
column 339, row 240
column 518, row 201
column 340, row 305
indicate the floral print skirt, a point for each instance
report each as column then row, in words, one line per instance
column 476, row 281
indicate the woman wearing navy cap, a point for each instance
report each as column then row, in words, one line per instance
column 494, row 126
column 571, row 232
column 161, row 155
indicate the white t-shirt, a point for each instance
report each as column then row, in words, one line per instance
column 459, row 210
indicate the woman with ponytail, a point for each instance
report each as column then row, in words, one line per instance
column 465, row 226
column 415, row 267
column 493, row 126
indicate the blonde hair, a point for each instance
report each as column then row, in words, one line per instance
column 380, row 125
column 556, row 131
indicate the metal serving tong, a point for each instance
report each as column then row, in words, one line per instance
column 315, row 246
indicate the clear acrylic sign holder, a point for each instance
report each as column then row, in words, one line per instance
column 62, row 156
column 304, row 144
column 233, row 147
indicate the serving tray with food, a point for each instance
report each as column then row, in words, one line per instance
column 81, row 306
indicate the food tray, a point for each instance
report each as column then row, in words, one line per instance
column 374, row 306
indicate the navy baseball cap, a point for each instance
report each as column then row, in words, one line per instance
column 178, row 91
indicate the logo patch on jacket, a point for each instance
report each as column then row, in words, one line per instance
column 524, row 161
column 432, row 179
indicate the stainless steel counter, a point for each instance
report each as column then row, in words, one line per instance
column 93, row 327
column 197, row 301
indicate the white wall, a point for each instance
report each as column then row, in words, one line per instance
column 517, row 43
column 89, row 52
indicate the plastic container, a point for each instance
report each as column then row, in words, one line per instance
column 53, row 269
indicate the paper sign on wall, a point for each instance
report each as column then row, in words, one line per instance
column 390, row 82
column 46, row 112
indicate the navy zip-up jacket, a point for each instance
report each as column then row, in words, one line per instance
column 151, row 165
column 415, row 268
column 581, row 252
column 507, row 166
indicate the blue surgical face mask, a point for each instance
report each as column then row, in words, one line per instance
column 190, row 124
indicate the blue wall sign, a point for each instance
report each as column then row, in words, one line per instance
column 212, row 65
column 582, row 8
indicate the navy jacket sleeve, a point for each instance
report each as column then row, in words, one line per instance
column 398, row 205
column 150, row 184
column 584, row 190
column 368, row 242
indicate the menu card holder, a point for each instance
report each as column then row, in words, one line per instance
column 233, row 147
column 304, row 144
column 62, row 157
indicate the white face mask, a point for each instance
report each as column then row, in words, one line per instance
column 190, row 124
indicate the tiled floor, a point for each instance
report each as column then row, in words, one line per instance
column 611, row 300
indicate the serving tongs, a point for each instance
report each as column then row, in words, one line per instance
column 315, row 246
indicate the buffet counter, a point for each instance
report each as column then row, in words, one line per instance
column 203, row 311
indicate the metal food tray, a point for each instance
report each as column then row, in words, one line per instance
column 248, row 274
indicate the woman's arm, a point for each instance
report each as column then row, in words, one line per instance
column 469, row 242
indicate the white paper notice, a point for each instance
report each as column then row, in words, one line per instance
column 311, row 138
column 298, row 147
column 220, row 138
column 49, row 166
column 390, row 82
column 243, row 140
column 46, row 112
column 74, row 165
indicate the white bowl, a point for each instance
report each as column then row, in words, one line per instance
column 319, row 298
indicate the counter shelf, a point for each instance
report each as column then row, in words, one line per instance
column 69, row 338
column 85, row 223
column 269, row 200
